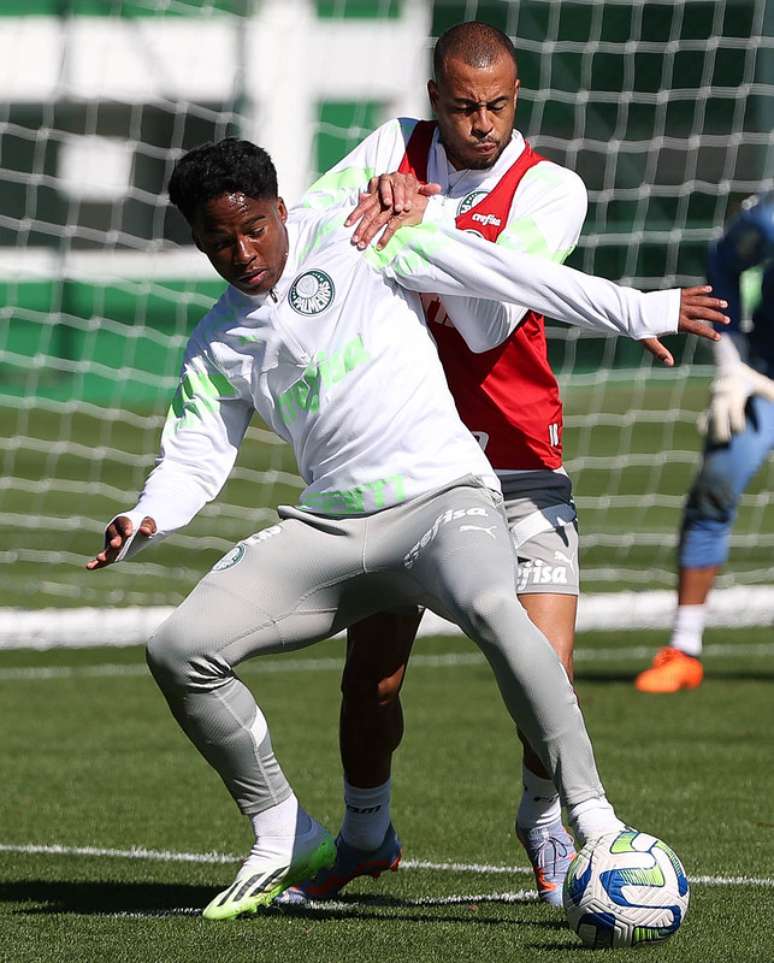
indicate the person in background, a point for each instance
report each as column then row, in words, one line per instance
column 740, row 434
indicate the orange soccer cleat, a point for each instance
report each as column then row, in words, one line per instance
column 671, row 671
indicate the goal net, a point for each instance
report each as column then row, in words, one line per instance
column 666, row 110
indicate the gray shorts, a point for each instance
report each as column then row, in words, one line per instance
column 544, row 527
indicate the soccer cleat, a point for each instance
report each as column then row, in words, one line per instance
column 550, row 850
column 671, row 671
column 350, row 863
column 265, row 874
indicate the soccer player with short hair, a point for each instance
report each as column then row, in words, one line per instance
column 494, row 185
column 328, row 345
column 740, row 434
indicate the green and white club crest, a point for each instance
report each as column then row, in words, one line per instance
column 311, row 292
column 469, row 201
column 230, row 558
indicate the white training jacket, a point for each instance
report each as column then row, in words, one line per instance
column 337, row 360
column 545, row 218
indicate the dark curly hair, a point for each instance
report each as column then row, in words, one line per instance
column 229, row 166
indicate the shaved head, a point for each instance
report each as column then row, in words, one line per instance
column 473, row 43
column 474, row 93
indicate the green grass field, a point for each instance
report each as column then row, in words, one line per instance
column 93, row 763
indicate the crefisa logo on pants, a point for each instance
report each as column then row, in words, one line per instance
column 536, row 572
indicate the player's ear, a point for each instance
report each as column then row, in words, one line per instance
column 516, row 88
column 282, row 210
column 432, row 93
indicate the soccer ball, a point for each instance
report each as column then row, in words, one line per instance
column 623, row 889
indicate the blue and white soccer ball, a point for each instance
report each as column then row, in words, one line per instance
column 625, row 888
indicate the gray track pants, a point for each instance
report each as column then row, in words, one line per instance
column 310, row 576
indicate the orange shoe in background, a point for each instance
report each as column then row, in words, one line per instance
column 671, row 671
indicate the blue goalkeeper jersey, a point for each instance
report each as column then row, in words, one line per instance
column 748, row 243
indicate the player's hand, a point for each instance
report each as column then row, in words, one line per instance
column 392, row 201
column 697, row 308
column 731, row 390
column 118, row 532
column 393, row 192
column 699, row 311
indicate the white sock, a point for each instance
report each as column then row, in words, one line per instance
column 366, row 815
column 592, row 818
column 286, row 820
column 540, row 804
column 687, row 629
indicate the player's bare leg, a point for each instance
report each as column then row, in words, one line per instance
column 371, row 722
column 371, row 729
column 539, row 818
column 555, row 616
column 694, row 584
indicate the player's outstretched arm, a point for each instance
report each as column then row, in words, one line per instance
column 436, row 259
column 395, row 200
column 118, row 534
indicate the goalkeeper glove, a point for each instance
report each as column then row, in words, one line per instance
column 730, row 391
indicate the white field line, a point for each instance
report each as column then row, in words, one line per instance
column 337, row 906
column 134, row 852
column 478, row 869
column 152, row 914
column 447, row 660
column 520, row 896
column 731, row 881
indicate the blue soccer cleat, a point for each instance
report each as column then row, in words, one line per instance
column 350, row 863
column 550, row 850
